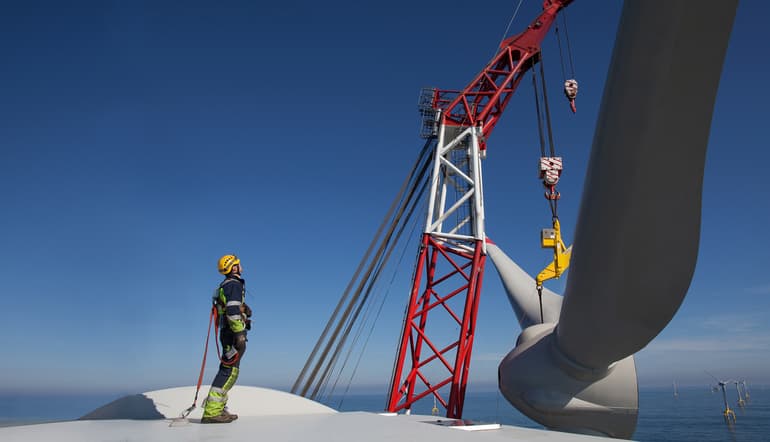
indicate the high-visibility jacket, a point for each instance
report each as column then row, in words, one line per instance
column 229, row 298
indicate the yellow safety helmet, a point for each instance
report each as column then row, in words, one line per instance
column 226, row 263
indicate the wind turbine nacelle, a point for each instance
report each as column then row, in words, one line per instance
column 544, row 384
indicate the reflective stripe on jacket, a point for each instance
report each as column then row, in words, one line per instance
column 229, row 297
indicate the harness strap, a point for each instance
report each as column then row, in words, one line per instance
column 215, row 312
column 228, row 281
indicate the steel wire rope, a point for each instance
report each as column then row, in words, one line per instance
column 463, row 214
column 346, row 293
column 475, row 103
column 553, row 204
column 539, row 114
column 325, row 397
column 569, row 46
column 357, row 335
column 545, row 104
column 381, row 260
column 349, row 324
column 561, row 54
column 373, row 284
column 382, row 303
column 356, row 274
column 369, row 281
column 320, row 389
column 399, row 338
column 497, row 49
column 354, row 298
column 508, row 28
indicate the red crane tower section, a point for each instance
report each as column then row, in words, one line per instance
column 452, row 255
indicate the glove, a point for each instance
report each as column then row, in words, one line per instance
column 248, row 324
column 240, row 343
column 246, row 310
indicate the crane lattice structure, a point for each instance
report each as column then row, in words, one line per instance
column 452, row 255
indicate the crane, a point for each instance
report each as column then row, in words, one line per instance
column 452, row 251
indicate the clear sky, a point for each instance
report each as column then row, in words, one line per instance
column 140, row 141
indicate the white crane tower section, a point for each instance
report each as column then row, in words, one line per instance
column 456, row 201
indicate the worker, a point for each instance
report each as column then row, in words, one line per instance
column 234, row 321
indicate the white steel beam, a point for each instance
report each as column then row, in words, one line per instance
column 456, row 164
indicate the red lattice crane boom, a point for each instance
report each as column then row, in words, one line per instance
column 483, row 101
column 452, row 255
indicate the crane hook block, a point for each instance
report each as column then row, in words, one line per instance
column 571, row 91
column 551, row 239
column 550, row 170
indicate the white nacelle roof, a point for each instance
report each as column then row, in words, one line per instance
column 266, row 415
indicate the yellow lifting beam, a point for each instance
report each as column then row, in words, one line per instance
column 551, row 239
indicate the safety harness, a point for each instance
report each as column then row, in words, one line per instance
column 213, row 318
column 218, row 305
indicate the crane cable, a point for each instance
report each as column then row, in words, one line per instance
column 364, row 287
column 550, row 172
column 508, row 28
column 405, row 198
column 571, row 84
column 296, row 387
column 550, row 165
column 376, row 318
column 464, row 120
column 502, row 39
column 370, row 284
column 375, row 269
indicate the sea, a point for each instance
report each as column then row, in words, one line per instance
column 694, row 415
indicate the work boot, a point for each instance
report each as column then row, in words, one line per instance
column 226, row 412
column 220, row 419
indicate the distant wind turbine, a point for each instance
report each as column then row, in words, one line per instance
column 741, row 402
column 745, row 390
column 728, row 413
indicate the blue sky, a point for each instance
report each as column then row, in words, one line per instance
column 139, row 141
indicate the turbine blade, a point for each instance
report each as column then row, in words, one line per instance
column 521, row 291
column 636, row 239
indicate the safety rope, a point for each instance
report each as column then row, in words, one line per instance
column 203, row 365
column 213, row 318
